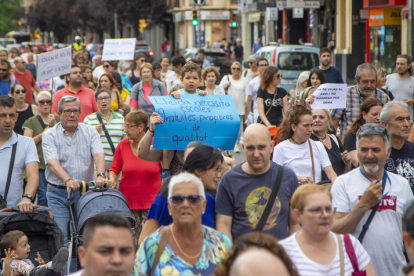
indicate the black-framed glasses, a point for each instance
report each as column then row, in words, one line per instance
column 103, row 98
column 319, row 211
column 264, row 65
column 235, row 68
column 376, row 128
column 279, row 76
column 250, row 62
column 70, row 111
column 4, row 70
column 128, row 126
column 177, row 200
column 45, row 101
column 18, row 91
column 106, row 66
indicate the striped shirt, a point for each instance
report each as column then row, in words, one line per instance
column 354, row 100
column 307, row 267
column 115, row 129
column 75, row 154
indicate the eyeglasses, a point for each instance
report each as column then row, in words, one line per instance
column 23, row 62
column 376, row 128
column 128, row 126
column 4, row 70
column 142, row 60
column 177, row 200
column 218, row 170
column 106, row 66
column 263, row 65
column 103, row 98
column 235, row 68
column 319, row 211
column 70, row 111
column 18, row 91
column 45, row 101
column 279, row 76
column 250, row 62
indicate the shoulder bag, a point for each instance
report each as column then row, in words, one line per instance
column 165, row 236
column 226, row 90
column 41, row 121
column 341, row 255
column 111, row 144
column 259, row 120
column 3, row 200
column 279, row 175
column 349, row 248
column 313, row 164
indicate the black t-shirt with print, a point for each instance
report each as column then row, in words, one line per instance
column 274, row 102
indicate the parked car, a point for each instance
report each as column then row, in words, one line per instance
column 144, row 48
column 4, row 41
column 217, row 57
column 43, row 47
column 291, row 60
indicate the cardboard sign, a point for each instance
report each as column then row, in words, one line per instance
column 330, row 96
column 55, row 63
column 212, row 120
column 119, row 49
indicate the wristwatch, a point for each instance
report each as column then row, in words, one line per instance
column 101, row 174
column 29, row 196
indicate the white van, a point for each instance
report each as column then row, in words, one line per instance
column 291, row 60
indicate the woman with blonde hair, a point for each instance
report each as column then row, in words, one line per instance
column 210, row 75
column 301, row 84
column 381, row 81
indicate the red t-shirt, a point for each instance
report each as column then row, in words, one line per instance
column 141, row 180
column 85, row 95
column 28, row 82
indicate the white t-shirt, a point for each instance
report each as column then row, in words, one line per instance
column 383, row 240
column 98, row 72
column 167, row 74
column 248, row 75
column 171, row 81
column 251, row 90
column 307, row 267
column 298, row 158
column 236, row 90
column 401, row 89
column 77, row 273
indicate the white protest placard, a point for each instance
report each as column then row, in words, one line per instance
column 119, row 49
column 330, row 96
column 55, row 63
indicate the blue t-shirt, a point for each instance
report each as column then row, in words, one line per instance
column 159, row 211
column 333, row 75
column 257, row 47
column 5, row 87
column 183, row 92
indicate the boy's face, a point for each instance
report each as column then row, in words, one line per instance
column 23, row 248
column 190, row 81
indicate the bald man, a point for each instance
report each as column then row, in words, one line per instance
column 258, row 261
column 244, row 191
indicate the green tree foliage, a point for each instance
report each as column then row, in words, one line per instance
column 9, row 13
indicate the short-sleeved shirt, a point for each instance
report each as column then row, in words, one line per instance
column 159, row 211
column 274, row 102
column 215, row 246
column 298, row 158
column 5, row 87
column 354, row 100
column 350, row 142
column 139, row 95
column 251, row 90
column 171, row 81
column 307, row 267
column 382, row 240
column 238, row 51
column 25, row 153
column 244, row 197
column 36, row 128
column 332, row 74
column 75, row 155
column 183, row 92
column 256, row 47
column 401, row 162
column 28, row 82
column 401, row 89
column 237, row 91
column 86, row 97
column 115, row 128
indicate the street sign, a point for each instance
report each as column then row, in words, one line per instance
column 199, row 2
column 303, row 4
column 272, row 14
column 297, row 13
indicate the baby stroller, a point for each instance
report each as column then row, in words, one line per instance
column 43, row 233
column 92, row 203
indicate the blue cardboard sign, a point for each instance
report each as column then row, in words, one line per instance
column 212, row 120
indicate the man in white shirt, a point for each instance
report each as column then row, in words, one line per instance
column 173, row 79
column 251, row 92
column 356, row 193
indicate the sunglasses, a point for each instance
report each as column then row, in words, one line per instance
column 236, row 68
column 4, row 70
column 45, row 101
column 279, row 76
column 106, row 66
column 18, row 91
column 177, row 200
column 377, row 128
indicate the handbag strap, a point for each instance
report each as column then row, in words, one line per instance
column 349, row 248
column 374, row 210
column 41, row 121
column 341, row 254
column 279, row 175
column 267, row 112
column 165, row 236
column 313, row 164
column 13, row 157
column 106, row 133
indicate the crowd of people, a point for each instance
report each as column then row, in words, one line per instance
column 330, row 193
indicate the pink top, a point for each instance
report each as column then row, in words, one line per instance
column 141, row 180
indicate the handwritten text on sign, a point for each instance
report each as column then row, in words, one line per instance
column 330, row 96
column 55, row 63
column 118, row 49
column 212, row 120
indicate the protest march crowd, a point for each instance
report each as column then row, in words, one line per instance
column 322, row 191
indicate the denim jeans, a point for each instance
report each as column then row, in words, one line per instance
column 41, row 190
column 58, row 203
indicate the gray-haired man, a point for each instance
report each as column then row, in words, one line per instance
column 70, row 150
column 356, row 193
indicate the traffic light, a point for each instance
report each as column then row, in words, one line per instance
column 195, row 17
column 234, row 20
column 142, row 25
column 20, row 23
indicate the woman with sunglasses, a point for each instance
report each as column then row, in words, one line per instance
column 34, row 127
column 272, row 101
column 235, row 86
column 140, row 181
column 190, row 248
column 111, row 66
column 315, row 249
column 204, row 162
column 25, row 110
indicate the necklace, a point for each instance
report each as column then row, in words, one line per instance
column 176, row 242
column 322, row 139
column 293, row 140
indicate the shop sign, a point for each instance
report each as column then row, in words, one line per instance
column 254, row 17
column 214, row 15
column 376, row 17
column 392, row 16
column 178, row 17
